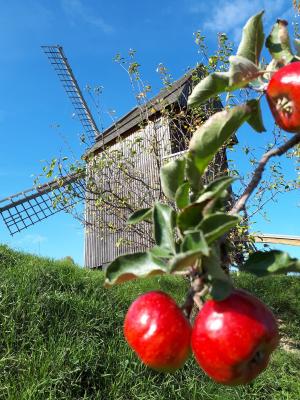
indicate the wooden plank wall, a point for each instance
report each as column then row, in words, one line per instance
column 102, row 245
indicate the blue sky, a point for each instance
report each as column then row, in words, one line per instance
column 36, row 117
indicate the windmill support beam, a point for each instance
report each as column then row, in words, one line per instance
column 277, row 239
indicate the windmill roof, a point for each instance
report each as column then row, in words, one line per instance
column 178, row 93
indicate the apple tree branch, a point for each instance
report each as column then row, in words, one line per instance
column 240, row 203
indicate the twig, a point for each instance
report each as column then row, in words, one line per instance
column 240, row 204
column 261, row 206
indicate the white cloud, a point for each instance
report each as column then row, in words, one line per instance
column 230, row 16
column 76, row 10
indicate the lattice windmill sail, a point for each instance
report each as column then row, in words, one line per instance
column 26, row 208
column 61, row 66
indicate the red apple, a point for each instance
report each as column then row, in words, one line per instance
column 156, row 329
column 283, row 94
column 232, row 339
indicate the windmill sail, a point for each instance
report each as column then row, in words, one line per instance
column 26, row 208
column 60, row 63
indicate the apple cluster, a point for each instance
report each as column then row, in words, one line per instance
column 231, row 339
column 234, row 333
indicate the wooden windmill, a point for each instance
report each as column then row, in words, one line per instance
column 21, row 210
column 26, row 208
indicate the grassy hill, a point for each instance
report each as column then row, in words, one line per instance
column 61, row 337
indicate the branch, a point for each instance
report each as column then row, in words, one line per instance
column 240, row 204
column 196, row 291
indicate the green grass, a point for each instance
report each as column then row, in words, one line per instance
column 61, row 337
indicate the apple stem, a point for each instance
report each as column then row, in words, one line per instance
column 198, row 297
column 195, row 293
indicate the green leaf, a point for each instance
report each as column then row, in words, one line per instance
column 160, row 252
column 172, row 176
column 195, row 241
column 241, row 72
column 182, row 195
column 210, row 86
column 185, row 260
column 131, row 266
column 220, row 289
column 278, row 42
column 140, row 215
column 190, row 216
column 193, row 175
column 215, row 189
column 252, row 39
column 216, row 225
column 220, row 281
column 255, row 120
column 263, row 263
column 210, row 137
column 163, row 218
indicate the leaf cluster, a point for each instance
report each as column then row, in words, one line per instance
column 185, row 235
column 190, row 229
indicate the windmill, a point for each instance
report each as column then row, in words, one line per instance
column 23, row 209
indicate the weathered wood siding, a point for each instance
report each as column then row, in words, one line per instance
column 104, row 245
